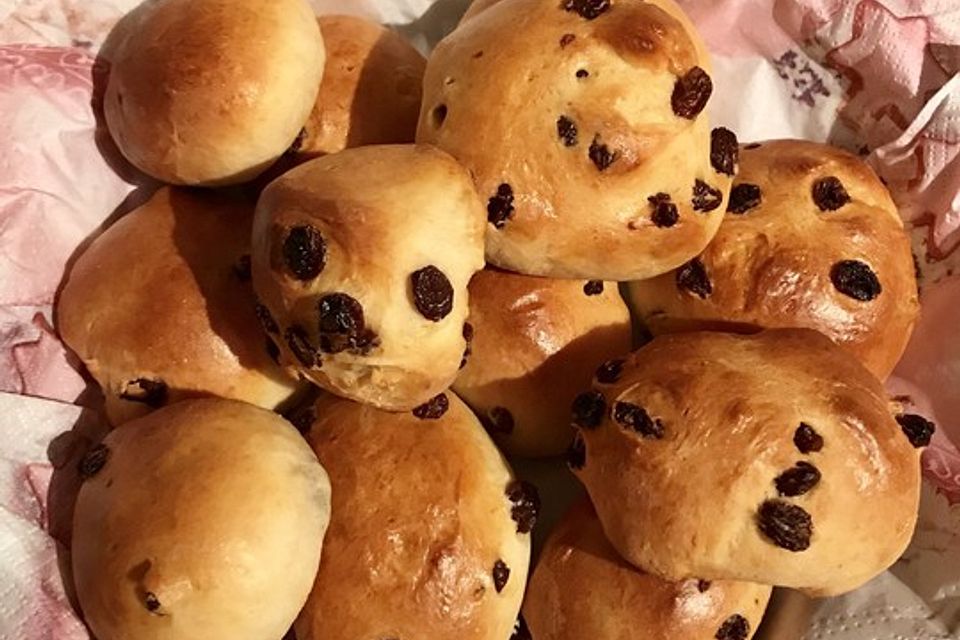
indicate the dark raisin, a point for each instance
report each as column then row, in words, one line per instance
column 468, row 337
column 855, row 279
column 152, row 393
column 693, row 277
column 297, row 143
column 786, row 525
column 498, row 420
column 797, row 480
column 735, row 627
column 266, row 320
column 665, row 212
column 918, row 429
column 94, row 460
column 588, row 409
column 632, row 416
column 593, row 287
column 500, row 206
column 273, row 350
column 582, row 73
column 432, row 293
column 520, row 630
column 743, row 197
column 829, row 194
column 342, row 324
column 705, row 197
column 566, row 39
column 242, row 268
column 439, row 114
column 501, row 573
column 525, row 504
column 703, row 586
column 724, row 151
column 806, row 439
column 299, row 343
column 600, row 154
column 151, row 602
column 433, row 408
column 567, row 130
column 577, row 452
column 304, row 252
column 691, row 93
column 589, row 9
column 609, row 372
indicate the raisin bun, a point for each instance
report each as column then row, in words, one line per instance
column 430, row 532
column 212, row 92
column 535, row 345
column 765, row 458
column 582, row 589
column 362, row 259
column 371, row 88
column 201, row 520
column 810, row 239
column 582, row 125
column 160, row 307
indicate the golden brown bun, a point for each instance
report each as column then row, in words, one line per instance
column 371, row 88
column 502, row 94
column 773, row 265
column 421, row 518
column 536, row 343
column 582, row 590
column 363, row 258
column 159, row 308
column 211, row 92
column 719, row 457
column 201, row 520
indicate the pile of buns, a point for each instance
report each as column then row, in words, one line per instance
column 371, row 273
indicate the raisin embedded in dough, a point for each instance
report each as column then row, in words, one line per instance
column 304, row 252
column 797, row 480
column 635, row 417
column 724, row 151
column 567, row 130
column 743, row 197
column 691, row 93
column 94, row 460
column 525, row 504
column 500, row 206
column 786, row 525
column 432, row 293
column 434, row 408
column 829, row 194
column 918, row 429
column 693, row 277
column 855, row 279
column 806, row 439
column 705, row 197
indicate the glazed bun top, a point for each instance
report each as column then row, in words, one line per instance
column 584, row 131
column 211, row 92
column 760, row 458
column 811, row 238
column 160, row 307
column 371, row 88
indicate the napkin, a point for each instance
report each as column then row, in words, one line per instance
column 878, row 77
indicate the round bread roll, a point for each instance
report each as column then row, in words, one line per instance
column 363, row 259
column 764, row 458
column 429, row 537
column 371, row 88
column 201, row 520
column 811, row 239
column 582, row 589
column 160, row 308
column 212, row 92
column 535, row 345
column 582, row 125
